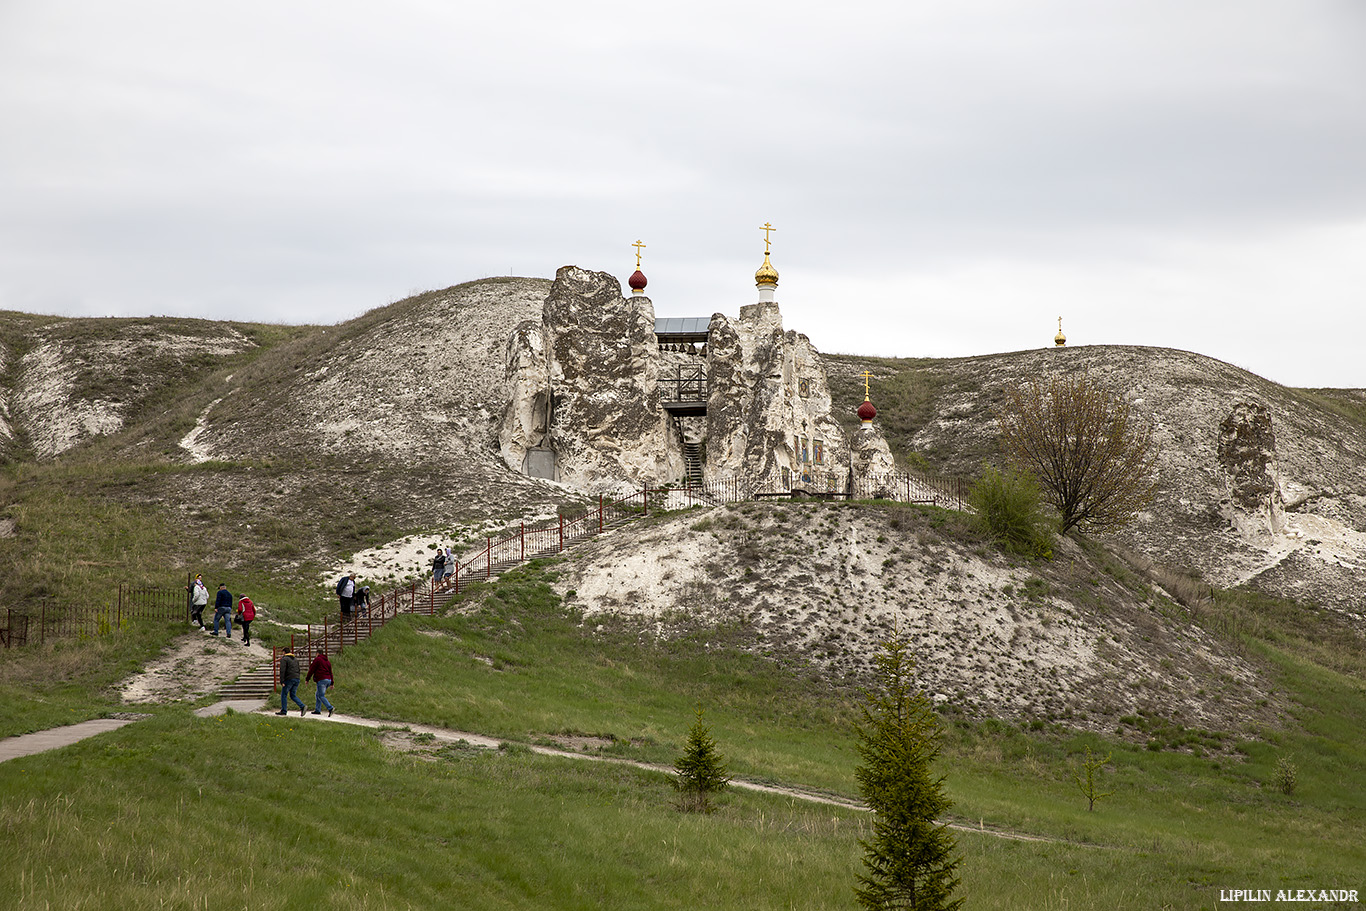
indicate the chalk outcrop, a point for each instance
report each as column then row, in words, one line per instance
column 768, row 408
column 584, row 403
column 582, row 391
column 1247, row 451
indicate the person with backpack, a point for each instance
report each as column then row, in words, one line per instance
column 346, row 593
column 199, row 599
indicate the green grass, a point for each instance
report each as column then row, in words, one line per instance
column 523, row 667
column 274, row 813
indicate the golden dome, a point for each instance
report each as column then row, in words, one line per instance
column 767, row 275
column 1060, row 340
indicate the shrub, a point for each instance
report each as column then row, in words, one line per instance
column 701, row 769
column 1286, row 776
column 1008, row 508
column 1086, row 779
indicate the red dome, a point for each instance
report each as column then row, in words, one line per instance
column 637, row 281
column 866, row 411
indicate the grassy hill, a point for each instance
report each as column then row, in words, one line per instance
column 268, row 455
column 309, row 812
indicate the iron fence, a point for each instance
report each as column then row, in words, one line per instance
column 49, row 621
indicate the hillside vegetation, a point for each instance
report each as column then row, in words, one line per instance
column 1207, row 653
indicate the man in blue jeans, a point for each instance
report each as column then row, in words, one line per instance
column 289, row 683
column 222, row 609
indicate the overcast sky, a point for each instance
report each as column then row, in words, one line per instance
column 945, row 178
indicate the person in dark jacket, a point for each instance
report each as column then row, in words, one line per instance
column 222, row 609
column 321, row 671
column 289, row 683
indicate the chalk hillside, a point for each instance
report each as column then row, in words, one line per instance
column 310, row 448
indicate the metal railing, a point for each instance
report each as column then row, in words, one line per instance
column 684, row 384
column 49, row 621
column 899, row 486
column 526, row 543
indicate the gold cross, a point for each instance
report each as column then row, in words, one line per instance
column 637, row 245
column 866, row 377
column 766, row 229
column 1060, row 324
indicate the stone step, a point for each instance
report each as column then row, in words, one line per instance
column 257, row 682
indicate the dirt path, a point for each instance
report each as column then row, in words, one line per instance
column 425, row 740
column 196, row 665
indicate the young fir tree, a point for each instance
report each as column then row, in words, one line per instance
column 909, row 861
column 701, row 769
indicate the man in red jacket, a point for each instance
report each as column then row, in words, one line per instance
column 321, row 671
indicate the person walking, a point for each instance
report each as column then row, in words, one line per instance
column 199, row 599
column 321, row 671
column 438, row 567
column 222, row 609
column 346, row 593
column 247, row 611
column 361, row 605
column 289, row 683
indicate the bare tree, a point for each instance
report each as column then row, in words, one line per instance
column 1089, row 449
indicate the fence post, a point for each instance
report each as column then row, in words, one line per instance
column 488, row 556
column 599, row 513
column 523, row 537
column 645, row 498
column 561, row 531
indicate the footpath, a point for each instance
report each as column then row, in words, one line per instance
column 54, row 738
column 28, row 744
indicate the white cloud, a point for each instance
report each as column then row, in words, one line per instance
column 311, row 160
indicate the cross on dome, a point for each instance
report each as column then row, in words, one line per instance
column 766, row 279
column 866, row 412
column 638, row 281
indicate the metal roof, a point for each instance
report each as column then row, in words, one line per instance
column 682, row 325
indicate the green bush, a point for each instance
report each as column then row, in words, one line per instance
column 701, row 769
column 1008, row 506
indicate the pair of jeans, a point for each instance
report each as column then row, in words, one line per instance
column 226, row 617
column 290, row 689
column 321, row 699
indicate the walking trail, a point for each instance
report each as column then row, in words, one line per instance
column 423, row 738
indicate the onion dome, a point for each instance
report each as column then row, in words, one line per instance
column 1060, row 340
column 867, row 412
column 767, row 275
column 637, row 282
